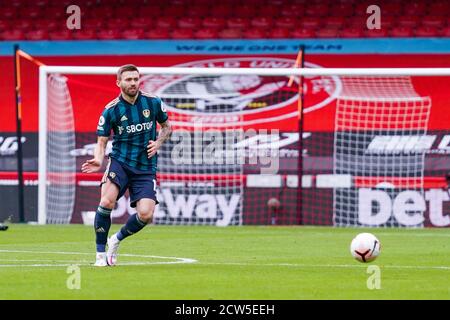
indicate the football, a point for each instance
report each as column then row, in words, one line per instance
column 365, row 247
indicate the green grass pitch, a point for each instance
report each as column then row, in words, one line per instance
column 198, row 262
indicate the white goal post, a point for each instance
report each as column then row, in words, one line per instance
column 46, row 71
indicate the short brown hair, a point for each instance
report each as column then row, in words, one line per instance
column 124, row 68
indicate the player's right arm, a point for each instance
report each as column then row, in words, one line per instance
column 103, row 132
column 94, row 165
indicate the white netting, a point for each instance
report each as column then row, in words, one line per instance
column 378, row 123
column 61, row 166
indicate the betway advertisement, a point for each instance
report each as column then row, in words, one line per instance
column 374, row 151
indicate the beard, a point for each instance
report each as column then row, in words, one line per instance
column 132, row 92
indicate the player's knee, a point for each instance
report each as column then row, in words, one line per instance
column 107, row 202
column 146, row 216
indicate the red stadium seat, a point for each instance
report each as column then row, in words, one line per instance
column 310, row 22
column 317, row 10
column 189, row 22
column 286, row 22
column 30, row 12
column 166, row 22
column 108, row 34
column 334, row 21
column 351, row 33
column 149, row 11
column 254, row 34
column 435, row 21
column 8, row 13
column 174, row 11
column 84, row 34
column 62, row 34
column 376, row 33
column 197, row 11
column 407, row 21
column 37, row 35
column 401, row 32
column 56, row 13
column 230, row 34
column 141, row 23
column 214, row 22
column 48, row 25
column 222, row 10
column 182, row 34
column 4, row 24
column 302, row 33
column 279, row 33
column 93, row 24
column 342, row 9
column 161, row 33
column 132, row 34
column 427, row 32
column 117, row 23
column 327, row 33
column 22, row 24
column 269, row 11
column 445, row 32
column 261, row 22
column 244, row 11
column 206, row 33
column 241, row 23
column 293, row 10
column 12, row 35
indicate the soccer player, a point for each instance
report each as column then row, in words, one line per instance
column 132, row 163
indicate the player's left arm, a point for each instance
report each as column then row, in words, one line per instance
column 164, row 134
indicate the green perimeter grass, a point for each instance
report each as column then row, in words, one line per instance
column 231, row 263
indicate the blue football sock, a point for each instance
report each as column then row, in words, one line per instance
column 133, row 225
column 102, row 223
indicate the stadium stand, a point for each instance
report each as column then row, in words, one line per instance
column 202, row 19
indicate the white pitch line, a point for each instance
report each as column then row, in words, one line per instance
column 177, row 260
column 295, row 265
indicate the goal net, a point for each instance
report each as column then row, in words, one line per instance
column 234, row 155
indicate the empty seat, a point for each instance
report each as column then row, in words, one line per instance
column 182, row 34
column 427, row 32
column 62, row 34
column 141, row 23
column 261, row 22
column 38, row 34
column 230, row 34
column 327, row 33
column 214, row 22
column 254, row 34
column 166, row 22
column 302, row 33
column 401, row 32
column 206, row 33
column 235, row 23
column 108, row 34
column 84, row 34
column 12, row 35
column 376, row 33
column 278, row 33
column 132, row 34
column 352, row 32
column 159, row 33
column 189, row 22
column 197, row 11
column 286, row 22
